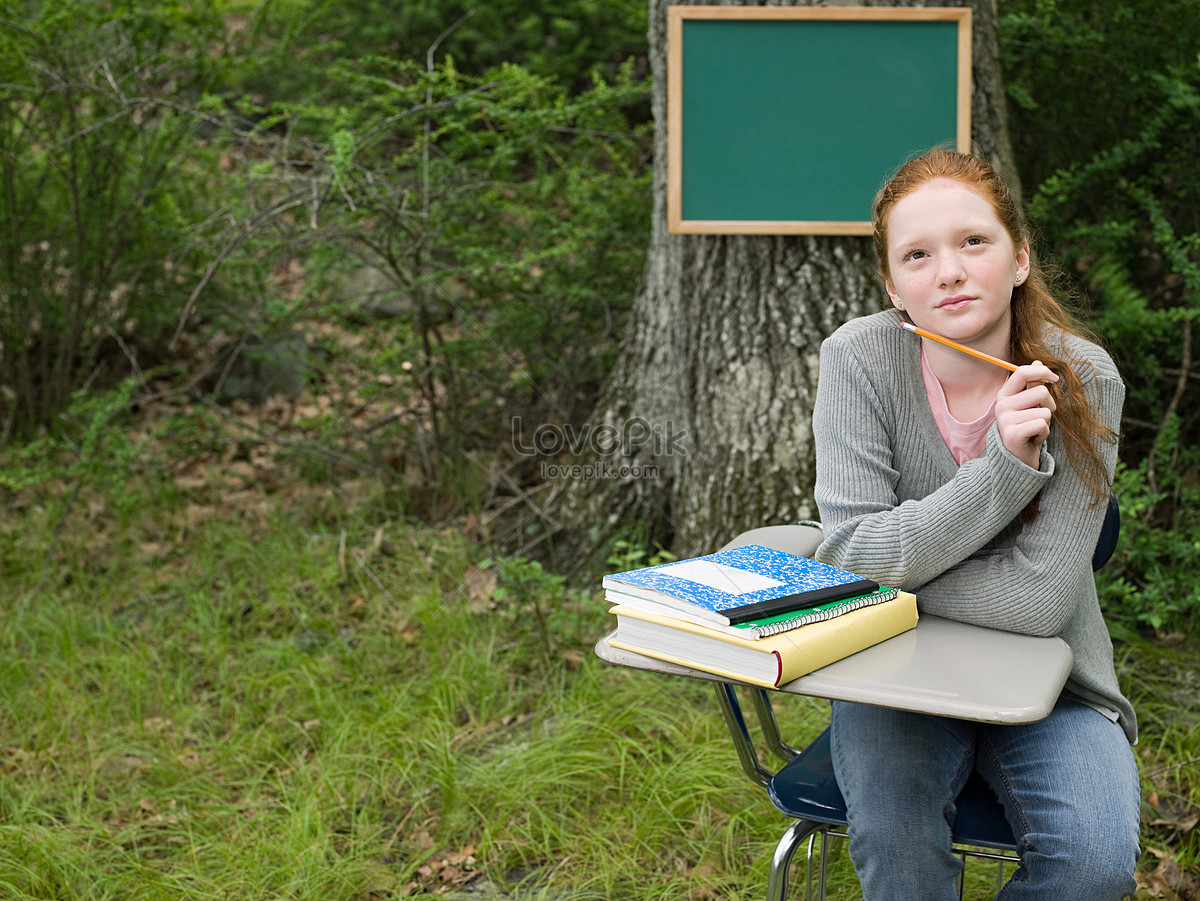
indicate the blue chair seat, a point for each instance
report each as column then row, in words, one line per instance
column 806, row 789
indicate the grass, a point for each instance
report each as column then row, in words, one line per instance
column 282, row 711
column 292, row 700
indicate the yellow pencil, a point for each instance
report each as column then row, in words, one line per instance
column 967, row 350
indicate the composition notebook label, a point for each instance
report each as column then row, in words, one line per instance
column 729, row 579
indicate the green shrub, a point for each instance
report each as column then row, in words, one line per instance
column 508, row 217
column 566, row 41
column 94, row 194
column 1150, row 583
column 1079, row 73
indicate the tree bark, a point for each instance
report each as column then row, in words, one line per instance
column 714, row 386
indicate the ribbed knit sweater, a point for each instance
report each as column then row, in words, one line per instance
column 895, row 507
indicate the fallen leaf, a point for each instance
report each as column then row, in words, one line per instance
column 479, row 586
column 1168, row 880
column 1183, row 821
column 573, row 658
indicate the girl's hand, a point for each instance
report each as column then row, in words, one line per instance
column 1024, row 406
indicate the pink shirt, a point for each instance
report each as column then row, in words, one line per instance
column 966, row 440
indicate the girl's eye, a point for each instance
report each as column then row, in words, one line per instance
column 974, row 240
column 914, row 255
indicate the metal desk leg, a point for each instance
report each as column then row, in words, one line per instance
column 778, row 878
column 734, row 719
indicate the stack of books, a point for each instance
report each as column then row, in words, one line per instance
column 753, row 614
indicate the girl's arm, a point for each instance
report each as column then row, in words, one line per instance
column 933, row 542
column 1032, row 583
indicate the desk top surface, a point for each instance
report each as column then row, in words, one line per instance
column 941, row 667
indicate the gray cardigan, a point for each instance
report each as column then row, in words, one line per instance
column 896, row 508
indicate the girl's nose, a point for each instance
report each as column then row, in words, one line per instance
column 950, row 270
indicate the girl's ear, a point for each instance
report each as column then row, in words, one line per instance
column 1022, row 263
column 891, row 290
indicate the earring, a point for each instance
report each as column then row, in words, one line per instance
column 899, row 305
column 1020, row 278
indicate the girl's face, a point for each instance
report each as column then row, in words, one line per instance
column 952, row 263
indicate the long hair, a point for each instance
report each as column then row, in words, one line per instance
column 1038, row 318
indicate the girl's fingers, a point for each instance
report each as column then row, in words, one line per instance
column 1027, row 376
column 1024, row 409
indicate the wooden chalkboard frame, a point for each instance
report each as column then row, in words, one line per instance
column 678, row 135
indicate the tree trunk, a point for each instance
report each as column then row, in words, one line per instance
column 714, row 386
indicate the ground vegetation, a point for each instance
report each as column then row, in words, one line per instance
column 299, row 305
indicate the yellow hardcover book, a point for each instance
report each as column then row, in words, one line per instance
column 771, row 661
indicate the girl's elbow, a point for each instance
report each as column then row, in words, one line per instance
column 1045, row 629
column 1050, row 620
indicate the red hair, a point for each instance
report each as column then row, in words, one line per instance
column 1038, row 318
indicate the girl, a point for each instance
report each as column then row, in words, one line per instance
column 983, row 492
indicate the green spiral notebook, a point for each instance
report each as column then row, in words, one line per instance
column 782, row 622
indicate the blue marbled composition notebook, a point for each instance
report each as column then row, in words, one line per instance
column 739, row 584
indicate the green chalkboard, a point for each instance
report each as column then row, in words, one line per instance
column 787, row 119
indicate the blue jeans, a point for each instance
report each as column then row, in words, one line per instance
column 1068, row 783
